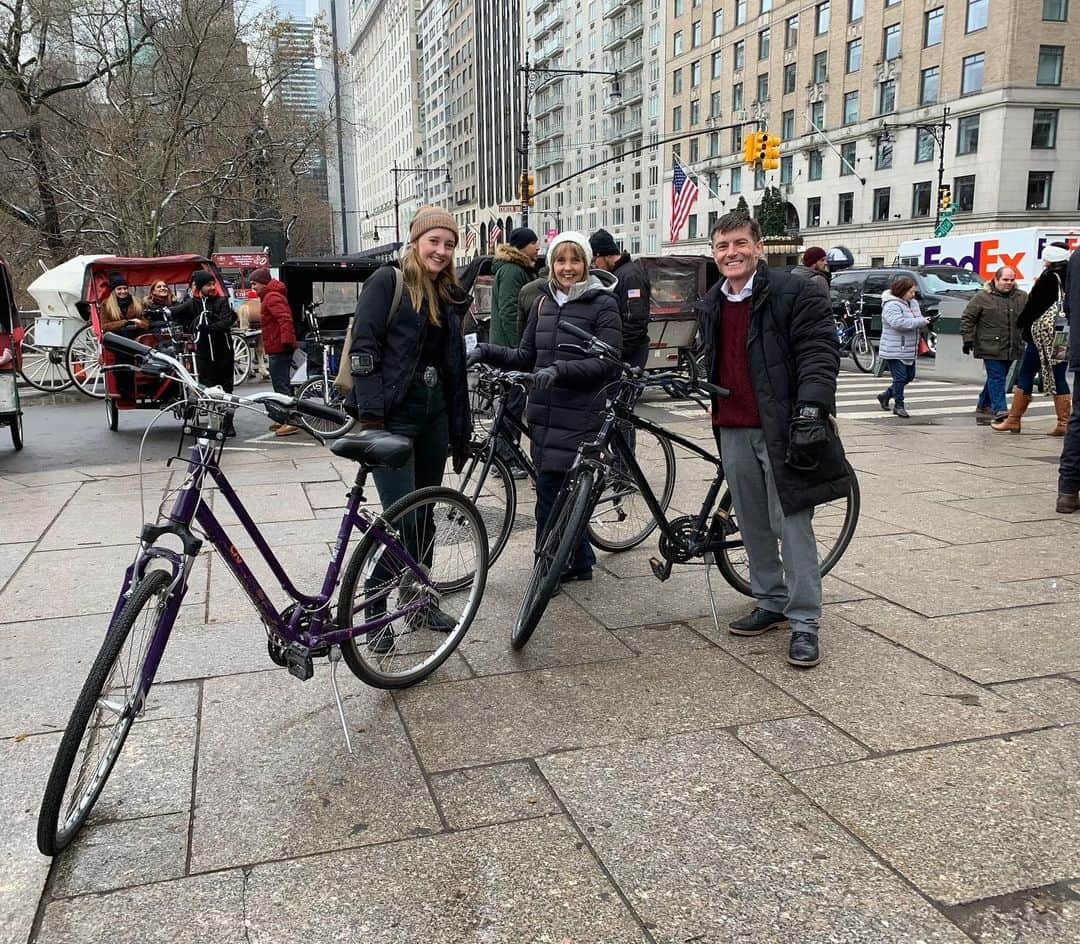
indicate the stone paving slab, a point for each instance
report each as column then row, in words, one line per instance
column 743, row 857
column 276, row 744
column 967, row 821
column 1039, row 916
column 632, row 601
column 658, row 638
column 280, row 501
column 532, row 881
column 11, row 556
column 1056, row 699
column 30, row 517
column 498, row 793
column 799, row 743
column 529, row 714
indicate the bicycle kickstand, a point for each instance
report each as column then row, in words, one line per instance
column 709, row 561
column 335, row 658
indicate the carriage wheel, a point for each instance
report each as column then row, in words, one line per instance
column 83, row 362
column 42, row 367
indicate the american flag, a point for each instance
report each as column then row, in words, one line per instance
column 470, row 238
column 684, row 191
column 494, row 232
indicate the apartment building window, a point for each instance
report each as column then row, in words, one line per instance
column 740, row 12
column 821, row 19
column 851, row 107
column 695, row 34
column 763, row 87
column 816, row 164
column 736, row 139
column 890, row 42
column 932, row 27
column 691, row 226
column 1056, row 11
column 717, row 23
column 737, row 97
column 738, row 52
column 1050, row 59
column 971, row 73
column 694, row 155
column 651, row 210
column 821, row 66
column 654, row 35
column 635, row 213
column 813, row 212
column 963, row 193
column 676, row 118
column 635, row 180
column 654, row 176
column 679, row 7
column 791, row 31
column 853, row 55
column 887, row 97
column 712, row 184
column 695, row 74
column 714, row 143
column 881, row 203
column 976, row 15
column 924, row 145
column 786, row 169
column 714, row 215
column 920, row 198
column 845, row 208
column 617, row 216
column 676, row 43
column 759, row 178
column 715, row 105
column 928, row 85
column 676, row 82
column 766, row 6
column 787, row 125
column 855, row 10
column 650, row 243
column 654, row 106
column 817, row 113
column 883, row 154
column 1044, row 128
column 763, row 44
column 716, row 65
column 789, row 78
column 967, row 135
column 735, row 183
column 847, row 158
column 654, row 71
column 1038, row 189
column 695, row 114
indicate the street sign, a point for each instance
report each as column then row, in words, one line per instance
column 944, row 227
column 509, row 207
column 241, row 260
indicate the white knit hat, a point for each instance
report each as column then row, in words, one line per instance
column 1055, row 254
column 578, row 239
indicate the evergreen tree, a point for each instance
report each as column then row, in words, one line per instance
column 742, row 207
column 771, row 214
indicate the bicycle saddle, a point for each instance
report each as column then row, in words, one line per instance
column 375, row 448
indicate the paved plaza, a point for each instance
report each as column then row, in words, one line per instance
column 634, row 775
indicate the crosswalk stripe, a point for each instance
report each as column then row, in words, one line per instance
column 881, row 414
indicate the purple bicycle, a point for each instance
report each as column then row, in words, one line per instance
column 406, row 597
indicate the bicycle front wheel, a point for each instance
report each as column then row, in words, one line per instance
column 557, row 544
column 411, row 627
column 317, row 389
column 492, row 489
column 622, row 519
column 863, row 353
column 834, row 527
column 103, row 716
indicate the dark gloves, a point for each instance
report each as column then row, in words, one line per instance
column 968, row 347
column 460, row 457
column 545, row 377
column 808, row 436
column 476, row 355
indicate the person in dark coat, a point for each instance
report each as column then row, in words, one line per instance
column 1068, row 498
column 989, row 327
column 527, row 297
column 815, row 268
column 566, row 404
column 278, row 336
column 633, row 292
column 770, row 340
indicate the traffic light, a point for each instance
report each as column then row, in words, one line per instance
column 527, row 186
column 945, row 199
column 750, row 148
column 770, row 159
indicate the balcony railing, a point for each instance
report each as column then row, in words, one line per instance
column 551, row 22
column 550, row 48
column 611, row 7
column 619, row 31
column 547, row 103
column 629, row 57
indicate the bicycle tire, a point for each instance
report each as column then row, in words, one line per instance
column 735, row 570
column 688, row 364
column 374, row 667
column 621, row 503
column 493, row 492
column 52, row 835
column 863, row 353
column 315, row 389
column 82, row 360
column 555, row 549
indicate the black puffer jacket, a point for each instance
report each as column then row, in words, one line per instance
column 633, row 293
column 393, row 353
column 1072, row 308
column 571, row 410
column 793, row 359
column 1048, row 288
column 210, row 319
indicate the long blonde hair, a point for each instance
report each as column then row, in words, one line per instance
column 422, row 288
column 112, row 308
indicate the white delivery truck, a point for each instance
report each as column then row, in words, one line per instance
column 984, row 252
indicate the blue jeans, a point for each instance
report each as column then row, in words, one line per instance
column 993, row 392
column 280, row 372
column 902, row 374
column 547, row 489
column 1029, row 367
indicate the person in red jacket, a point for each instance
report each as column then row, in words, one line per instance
column 278, row 336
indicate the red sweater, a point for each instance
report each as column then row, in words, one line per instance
column 733, row 368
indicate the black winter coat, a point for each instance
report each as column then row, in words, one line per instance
column 793, row 359
column 1048, row 287
column 210, row 319
column 633, row 294
column 1072, row 307
column 393, row 354
column 571, row 410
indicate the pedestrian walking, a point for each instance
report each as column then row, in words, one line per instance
column 901, row 320
column 769, row 337
column 278, row 337
column 565, row 407
column 815, row 268
column 633, row 292
column 989, row 327
column 1068, row 498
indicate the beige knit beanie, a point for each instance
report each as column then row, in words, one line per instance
column 431, row 217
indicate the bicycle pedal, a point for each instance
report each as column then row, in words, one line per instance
column 661, row 569
column 300, row 664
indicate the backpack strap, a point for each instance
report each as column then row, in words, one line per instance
column 395, row 303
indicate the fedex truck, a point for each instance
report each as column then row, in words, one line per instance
column 984, row 252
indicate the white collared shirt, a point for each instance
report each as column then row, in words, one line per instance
column 747, row 290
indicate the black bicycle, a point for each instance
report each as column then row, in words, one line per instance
column 709, row 537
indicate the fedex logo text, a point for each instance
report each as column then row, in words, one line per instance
column 986, row 256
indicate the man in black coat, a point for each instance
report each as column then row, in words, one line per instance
column 633, row 293
column 1068, row 499
column 768, row 337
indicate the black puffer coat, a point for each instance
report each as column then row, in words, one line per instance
column 793, row 359
column 210, row 318
column 571, row 410
column 1048, row 288
column 393, row 353
column 634, row 294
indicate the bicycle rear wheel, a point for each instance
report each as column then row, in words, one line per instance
column 103, row 716
column 556, row 547
column 42, row 367
column 862, row 352
column 442, row 531
column 834, row 527
column 316, row 389
column 494, row 493
column 622, row 519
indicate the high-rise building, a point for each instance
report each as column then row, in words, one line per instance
column 299, row 95
column 434, row 101
column 338, row 90
column 857, row 92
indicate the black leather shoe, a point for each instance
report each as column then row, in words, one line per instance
column 584, row 573
column 757, row 622
column 803, row 650
column 901, row 411
column 381, row 641
column 883, row 399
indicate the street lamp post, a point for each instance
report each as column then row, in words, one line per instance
column 938, row 129
column 396, row 171
column 531, row 77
